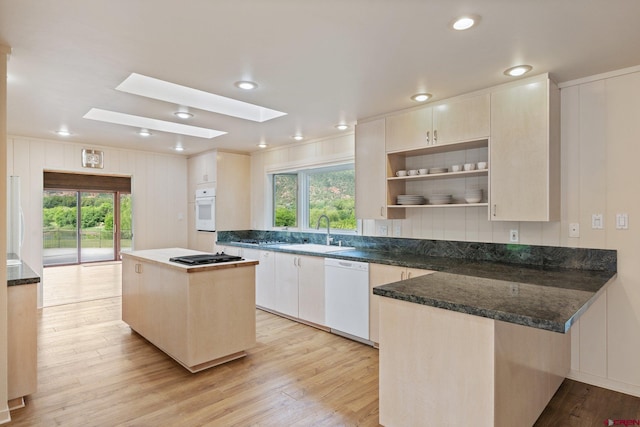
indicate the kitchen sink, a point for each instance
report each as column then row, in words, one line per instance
column 313, row 247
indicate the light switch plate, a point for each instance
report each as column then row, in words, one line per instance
column 597, row 223
column 622, row 221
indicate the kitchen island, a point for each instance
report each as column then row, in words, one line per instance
column 200, row 315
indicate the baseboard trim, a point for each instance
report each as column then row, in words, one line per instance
column 604, row 383
column 5, row 415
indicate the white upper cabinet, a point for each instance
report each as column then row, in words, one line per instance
column 462, row 120
column 525, row 152
column 409, row 130
column 371, row 171
column 457, row 120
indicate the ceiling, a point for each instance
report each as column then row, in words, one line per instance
column 322, row 62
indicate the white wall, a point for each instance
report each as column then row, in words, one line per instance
column 601, row 131
column 600, row 174
column 159, row 190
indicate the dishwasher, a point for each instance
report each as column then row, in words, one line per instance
column 347, row 297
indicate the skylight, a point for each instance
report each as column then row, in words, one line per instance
column 148, row 123
column 170, row 92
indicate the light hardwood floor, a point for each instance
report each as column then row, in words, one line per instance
column 84, row 282
column 94, row 371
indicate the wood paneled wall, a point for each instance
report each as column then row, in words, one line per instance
column 158, row 188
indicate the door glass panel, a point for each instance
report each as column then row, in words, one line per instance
column 96, row 231
column 60, row 233
column 126, row 232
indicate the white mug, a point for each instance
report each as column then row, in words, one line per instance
column 469, row 166
column 422, row 171
column 482, row 165
column 401, row 173
column 413, row 172
column 456, row 168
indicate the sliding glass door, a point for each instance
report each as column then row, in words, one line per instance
column 92, row 233
column 125, row 230
column 60, row 227
column 96, row 227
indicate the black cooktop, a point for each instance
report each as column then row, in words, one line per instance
column 205, row 258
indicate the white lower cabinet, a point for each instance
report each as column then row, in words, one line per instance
column 311, row 301
column 265, row 277
column 299, row 287
column 380, row 274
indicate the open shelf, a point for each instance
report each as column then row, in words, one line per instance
column 450, row 205
column 441, row 148
column 477, row 172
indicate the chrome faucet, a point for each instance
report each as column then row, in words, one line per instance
column 329, row 238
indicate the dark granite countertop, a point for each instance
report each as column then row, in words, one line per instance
column 544, row 297
column 20, row 274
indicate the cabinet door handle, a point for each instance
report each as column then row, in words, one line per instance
column 402, row 275
column 494, row 210
column 409, row 275
column 138, row 268
column 295, row 261
column 299, row 262
column 382, row 211
column 435, row 136
column 427, row 137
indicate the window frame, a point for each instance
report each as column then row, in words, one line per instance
column 303, row 211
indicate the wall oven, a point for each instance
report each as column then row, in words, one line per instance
column 206, row 209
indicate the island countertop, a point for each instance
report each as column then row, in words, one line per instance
column 161, row 257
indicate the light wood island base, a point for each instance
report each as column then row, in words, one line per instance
column 200, row 316
column 439, row 367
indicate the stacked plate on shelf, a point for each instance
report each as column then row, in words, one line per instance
column 440, row 199
column 473, row 195
column 438, row 170
column 411, row 199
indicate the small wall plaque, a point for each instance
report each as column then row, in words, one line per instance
column 92, row 159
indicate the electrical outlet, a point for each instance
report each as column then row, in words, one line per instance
column 574, row 229
column 513, row 236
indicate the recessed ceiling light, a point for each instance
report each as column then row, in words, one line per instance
column 144, row 132
column 518, row 70
column 465, row 22
column 262, row 145
column 421, row 97
column 189, row 97
column 298, row 137
column 246, row 85
column 179, row 148
column 63, row 132
column 183, row 114
column 148, row 123
column 342, row 126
